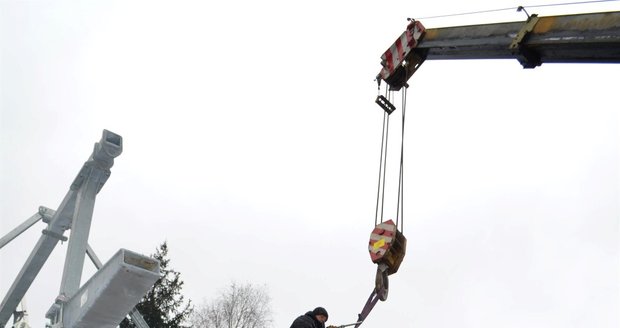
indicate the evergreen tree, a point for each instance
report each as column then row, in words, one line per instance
column 164, row 306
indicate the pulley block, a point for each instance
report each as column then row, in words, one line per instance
column 385, row 104
column 387, row 246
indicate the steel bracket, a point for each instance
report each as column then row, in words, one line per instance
column 526, row 56
column 54, row 235
column 47, row 214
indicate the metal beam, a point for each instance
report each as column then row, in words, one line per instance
column 29, row 271
column 20, row 229
column 75, row 209
column 581, row 38
column 106, row 298
column 39, row 255
column 80, row 228
column 135, row 315
column 89, row 181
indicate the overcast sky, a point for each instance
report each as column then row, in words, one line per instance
column 251, row 145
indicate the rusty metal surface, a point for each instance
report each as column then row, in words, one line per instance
column 581, row 38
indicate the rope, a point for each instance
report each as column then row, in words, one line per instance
column 385, row 116
column 467, row 13
column 569, row 3
column 401, row 179
column 387, row 130
column 382, row 164
column 515, row 8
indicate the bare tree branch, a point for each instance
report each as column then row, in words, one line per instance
column 239, row 306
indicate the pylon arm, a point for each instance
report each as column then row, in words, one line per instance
column 20, row 229
column 106, row 298
column 29, row 271
column 135, row 315
column 75, row 211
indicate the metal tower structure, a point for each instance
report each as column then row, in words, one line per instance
column 113, row 291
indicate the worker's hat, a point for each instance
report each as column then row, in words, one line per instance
column 320, row 311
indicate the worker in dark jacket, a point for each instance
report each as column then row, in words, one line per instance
column 312, row 319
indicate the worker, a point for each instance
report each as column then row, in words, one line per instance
column 312, row 319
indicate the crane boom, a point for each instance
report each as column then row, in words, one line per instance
column 579, row 38
column 588, row 38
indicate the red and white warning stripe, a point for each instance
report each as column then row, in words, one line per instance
column 395, row 55
column 381, row 239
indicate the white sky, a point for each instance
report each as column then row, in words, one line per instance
column 251, row 144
